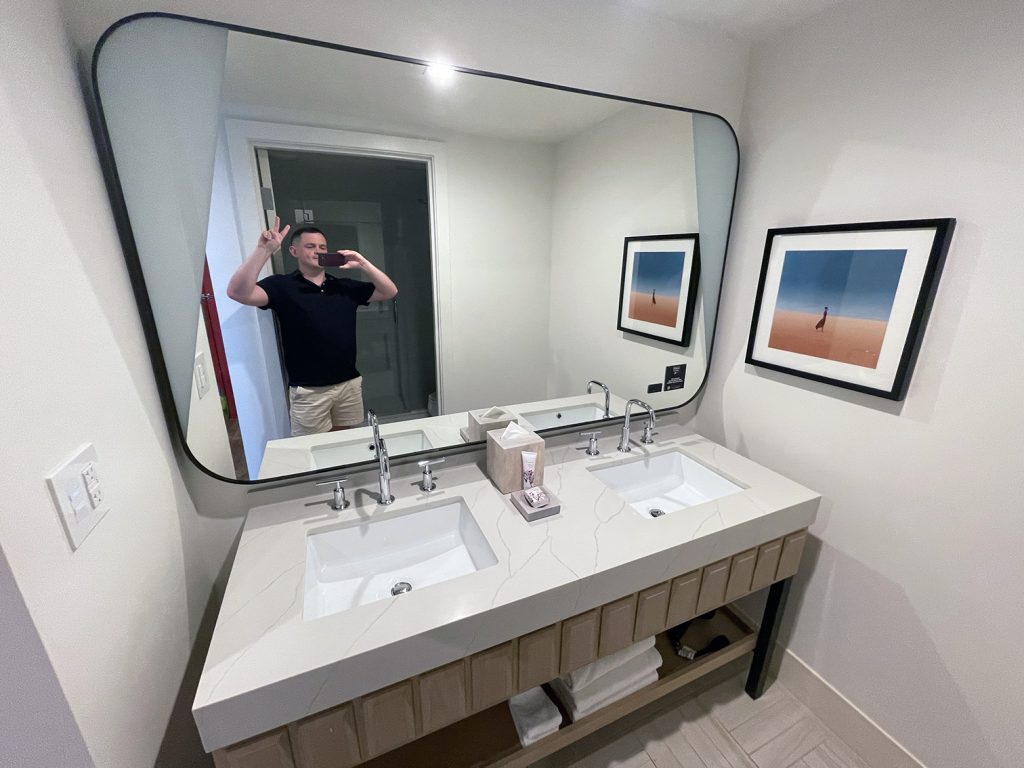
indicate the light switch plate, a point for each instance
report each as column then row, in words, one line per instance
column 202, row 375
column 74, row 486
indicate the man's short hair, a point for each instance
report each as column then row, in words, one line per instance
column 298, row 233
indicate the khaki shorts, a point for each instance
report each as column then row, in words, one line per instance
column 317, row 409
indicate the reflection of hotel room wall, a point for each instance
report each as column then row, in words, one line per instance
column 836, row 304
column 656, row 285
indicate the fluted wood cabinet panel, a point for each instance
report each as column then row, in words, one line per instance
column 272, row 750
column 492, row 675
column 767, row 564
column 387, row 719
column 539, row 654
column 651, row 610
column 327, row 740
column 682, row 602
column 579, row 640
column 444, row 697
column 792, row 549
column 712, row 586
column 617, row 624
column 741, row 573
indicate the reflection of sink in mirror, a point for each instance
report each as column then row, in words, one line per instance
column 352, row 451
column 560, row 417
column 667, row 482
column 365, row 562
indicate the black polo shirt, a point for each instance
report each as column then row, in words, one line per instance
column 318, row 326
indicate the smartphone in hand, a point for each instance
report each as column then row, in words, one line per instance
column 331, row 259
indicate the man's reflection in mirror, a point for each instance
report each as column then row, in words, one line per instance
column 317, row 316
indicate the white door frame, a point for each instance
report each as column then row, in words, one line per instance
column 243, row 136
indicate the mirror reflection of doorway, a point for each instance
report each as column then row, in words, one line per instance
column 378, row 206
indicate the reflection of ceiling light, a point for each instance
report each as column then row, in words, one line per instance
column 440, row 74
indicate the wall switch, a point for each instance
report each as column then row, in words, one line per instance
column 201, row 375
column 77, row 493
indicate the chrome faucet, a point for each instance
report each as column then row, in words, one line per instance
column 624, row 442
column 607, row 397
column 381, row 449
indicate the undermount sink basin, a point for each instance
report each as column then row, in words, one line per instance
column 664, row 483
column 364, row 562
column 560, row 417
column 352, row 451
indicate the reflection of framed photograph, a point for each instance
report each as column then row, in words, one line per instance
column 846, row 304
column 659, row 287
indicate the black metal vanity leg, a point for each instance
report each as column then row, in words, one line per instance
column 757, row 679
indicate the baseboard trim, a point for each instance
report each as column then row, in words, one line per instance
column 862, row 734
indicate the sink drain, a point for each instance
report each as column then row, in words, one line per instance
column 401, row 587
column 656, row 512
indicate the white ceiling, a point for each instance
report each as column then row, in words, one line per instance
column 284, row 80
column 749, row 19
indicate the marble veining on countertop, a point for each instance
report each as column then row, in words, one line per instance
column 268, row 666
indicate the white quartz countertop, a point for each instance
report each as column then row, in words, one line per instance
column 267, row 666
column 292, row 455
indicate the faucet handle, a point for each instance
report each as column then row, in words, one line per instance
column 648, row 436
column 339, row 501
column 591, row 449
column 427, row 481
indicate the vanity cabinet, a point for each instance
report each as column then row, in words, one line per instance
column 457, row 714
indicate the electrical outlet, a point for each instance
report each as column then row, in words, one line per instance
column 89, row 474
column 75, row 488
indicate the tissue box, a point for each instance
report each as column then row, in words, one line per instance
column 505, row 459
column 482, row 421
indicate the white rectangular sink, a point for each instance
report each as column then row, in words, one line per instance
column 351, row 451
column 363, row 562
column 667, row 482
column 562, row 417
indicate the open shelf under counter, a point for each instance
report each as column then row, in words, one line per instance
column 489, row 738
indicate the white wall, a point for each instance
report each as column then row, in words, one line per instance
column 893, row 111
column 643, row 156
column 117, row 617
column 499, row 195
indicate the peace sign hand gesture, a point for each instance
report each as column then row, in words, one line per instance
column 271, row 239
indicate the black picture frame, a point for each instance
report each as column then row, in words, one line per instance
column 881, row 275
column 672, row 321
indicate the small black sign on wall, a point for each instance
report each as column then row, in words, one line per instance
column 675, row 377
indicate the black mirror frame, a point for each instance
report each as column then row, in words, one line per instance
column 134, row 264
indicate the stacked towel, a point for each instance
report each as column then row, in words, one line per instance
column 580, row 678
column 534, row 714
column 628, row 677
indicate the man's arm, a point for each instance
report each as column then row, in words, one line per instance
column 383, row 287
column 242, row 285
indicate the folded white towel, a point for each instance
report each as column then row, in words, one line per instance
column 643, row 682
column 534, row 714
column 611, row 686
column 585, row 675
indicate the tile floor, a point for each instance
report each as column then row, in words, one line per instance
column 719, row 728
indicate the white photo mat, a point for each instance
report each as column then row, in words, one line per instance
column 918, row 246
column 686, row 245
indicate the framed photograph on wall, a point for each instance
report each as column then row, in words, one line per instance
column 846, row 304
column 658, row 290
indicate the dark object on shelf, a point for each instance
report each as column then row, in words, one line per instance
column 699, row 644
column 717, row 643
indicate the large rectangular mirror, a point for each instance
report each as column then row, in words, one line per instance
column 521, row 223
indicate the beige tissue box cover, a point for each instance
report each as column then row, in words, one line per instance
column 505, row 460
column 482, row 421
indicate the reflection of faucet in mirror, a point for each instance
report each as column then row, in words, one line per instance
column 647, row 438
column 384, row 462
column 607, row 397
